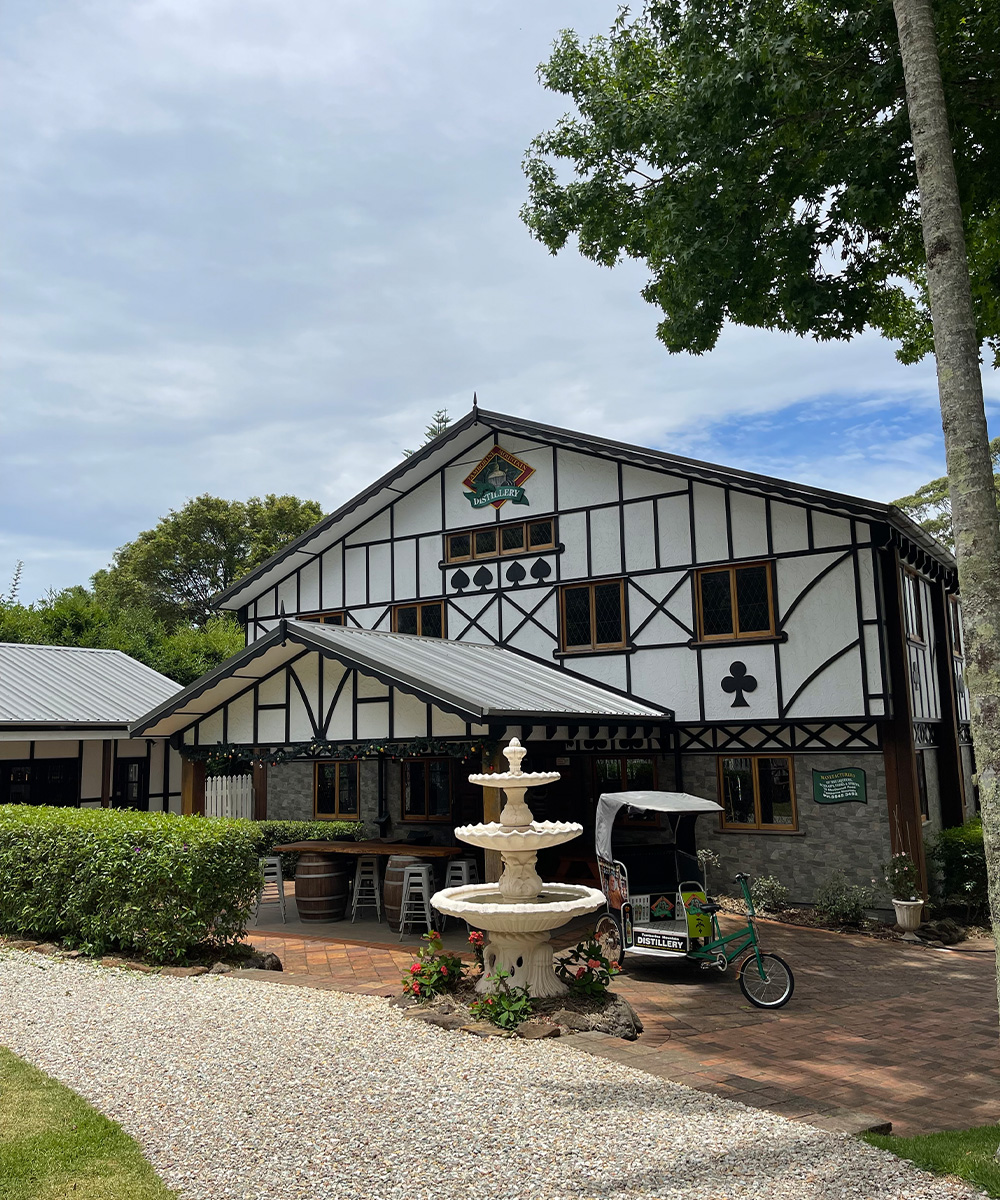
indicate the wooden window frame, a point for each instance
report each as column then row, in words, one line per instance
column 913, row 604
column 650, row 822
column 420, row 605
column 323, row 617
column 336, row 815
column 757, row 827
column 736, row 635
column 955, row 628
column 426, row 819
column 594, row 646
column 499, row 552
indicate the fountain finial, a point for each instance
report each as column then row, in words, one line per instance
column 514, row 753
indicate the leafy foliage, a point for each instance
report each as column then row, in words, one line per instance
column 757, row 158
column 434, row 971
column 76, row 617
column 901, row 877
column 174, row 569
column 586, row 969
column 146, row 883
column 505, row 1006
column 437, row 426
column 930, row 505
column 769, row 894
column 961, row 857
column 842, row 902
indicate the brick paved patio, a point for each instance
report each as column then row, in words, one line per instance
column 904, row 1034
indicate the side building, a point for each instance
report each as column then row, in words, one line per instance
column 64, row 737
column 637, row 618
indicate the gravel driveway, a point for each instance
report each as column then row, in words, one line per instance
column 242, row 1089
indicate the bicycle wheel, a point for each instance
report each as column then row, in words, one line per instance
column 775, row 989
column 608, row 935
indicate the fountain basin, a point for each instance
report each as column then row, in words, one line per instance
column 483, row 905
column 523, row 779
column 539, row 835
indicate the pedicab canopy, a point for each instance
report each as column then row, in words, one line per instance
column 610, row 803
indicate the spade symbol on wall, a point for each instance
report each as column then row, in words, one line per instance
column 515, row 573
column 460, row 581
column 738, row 682
column 483, row 577
column 541, row 570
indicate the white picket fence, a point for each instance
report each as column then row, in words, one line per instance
column 229, row 796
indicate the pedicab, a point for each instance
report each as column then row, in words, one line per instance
column 658, row 907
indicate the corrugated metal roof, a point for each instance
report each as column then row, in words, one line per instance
column 73, row 685
column 486, row 681
column 480, row 683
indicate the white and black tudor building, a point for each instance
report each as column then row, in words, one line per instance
column 638, row 619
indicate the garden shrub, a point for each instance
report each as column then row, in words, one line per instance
column 961, row 859
column 769, row 894
column 152, row 884
column 506, row 1006
column 434, row 970
column 586, row 970
column 842, row 902
column 280, row 833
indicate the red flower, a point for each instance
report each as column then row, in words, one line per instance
column 415, row 968
column 594, row 964
column 433, row 936
column 444, row 969
column 582, row 971
column 416, row 988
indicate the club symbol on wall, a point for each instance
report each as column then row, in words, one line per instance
column 739, row 681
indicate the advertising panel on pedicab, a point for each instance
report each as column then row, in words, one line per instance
column 660, row 939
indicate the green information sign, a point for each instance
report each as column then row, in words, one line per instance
column 840, row 787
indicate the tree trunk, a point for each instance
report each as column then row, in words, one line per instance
column 963, row 417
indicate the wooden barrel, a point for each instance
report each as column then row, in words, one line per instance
column 392, row 891
column 321, row 886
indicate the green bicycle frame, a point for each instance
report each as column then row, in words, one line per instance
column 732, row 945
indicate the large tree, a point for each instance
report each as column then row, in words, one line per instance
column 791, row 165
column 174, row 569
column 930, row 504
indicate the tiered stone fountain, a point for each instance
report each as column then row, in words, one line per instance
column 520, row 911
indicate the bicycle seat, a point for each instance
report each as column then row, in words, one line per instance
column 710, row 909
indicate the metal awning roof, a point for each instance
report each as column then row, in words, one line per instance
column 60, row 686
column 478, row 683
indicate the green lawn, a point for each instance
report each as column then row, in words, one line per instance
column 53, row 1145
column 969, row 1153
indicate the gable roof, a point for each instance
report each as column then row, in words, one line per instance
column 54, row 686
column 465, row 433
column 477, row 682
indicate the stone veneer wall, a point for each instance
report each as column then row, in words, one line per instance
column 852, row 838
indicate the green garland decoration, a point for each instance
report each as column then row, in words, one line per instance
column 229, row 755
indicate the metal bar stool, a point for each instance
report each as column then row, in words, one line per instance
column 460, row 872
column 416, row 903
column 366, row 887
column 271, row 868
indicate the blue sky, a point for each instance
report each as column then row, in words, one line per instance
column 251, row 246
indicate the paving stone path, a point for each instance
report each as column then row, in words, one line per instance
column 875, row 1029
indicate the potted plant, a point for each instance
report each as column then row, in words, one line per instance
column 902, row 880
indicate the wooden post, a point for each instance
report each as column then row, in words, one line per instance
column 492, row 804
column 192, row 788
column 106, row 749
column 259, row 791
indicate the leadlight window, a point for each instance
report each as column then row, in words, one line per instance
column 427, row 789
column 331, row 617
column 913, row 611
column 593, row 616
column 955, row 617
column 494, row 540
column 625, row 773
column 427, row 620
column 736, row 602
column 925, row 808
column 757, row 792
column 337, row 791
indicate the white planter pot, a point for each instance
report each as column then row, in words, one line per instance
column 908, row 914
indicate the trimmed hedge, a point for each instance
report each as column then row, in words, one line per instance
column 961, row 857
column 152, row 884
column 281, row 833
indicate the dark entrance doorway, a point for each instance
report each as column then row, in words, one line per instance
column 131, row 784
